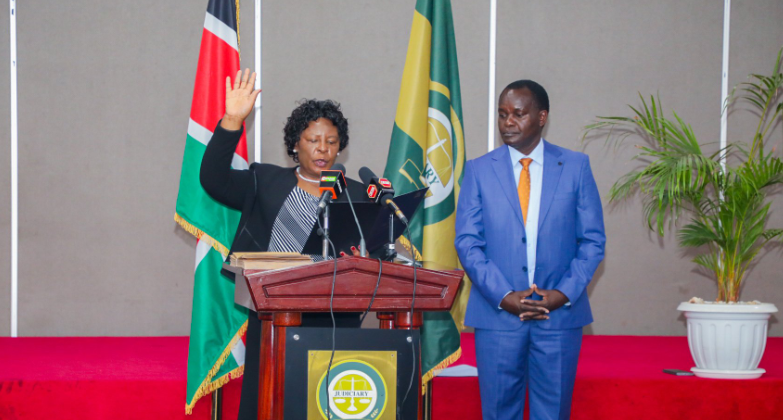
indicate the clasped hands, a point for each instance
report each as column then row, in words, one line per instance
column 526, row 309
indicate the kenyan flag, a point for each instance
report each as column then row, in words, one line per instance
column 216, row 352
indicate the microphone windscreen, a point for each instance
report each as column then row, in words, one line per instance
column 338, row 167
column 366, row 175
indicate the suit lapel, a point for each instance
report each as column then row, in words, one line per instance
column 502, row 167
column 553, row 167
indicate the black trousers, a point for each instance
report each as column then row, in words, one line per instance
column 248, row 404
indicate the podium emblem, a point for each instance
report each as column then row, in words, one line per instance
column 356, row 390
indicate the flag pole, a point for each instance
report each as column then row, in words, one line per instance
column 724, row 92
column 217, row 404
column 257, row 115
column 493, row 18
column 14, row 180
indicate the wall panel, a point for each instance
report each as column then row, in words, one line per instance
column 594, row 58
column 104, row 100
column 756, row 39
column 5, row 178
column 106, row 88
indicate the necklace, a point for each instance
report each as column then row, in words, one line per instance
column 316, row 181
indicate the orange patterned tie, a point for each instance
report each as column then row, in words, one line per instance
column 523, row 189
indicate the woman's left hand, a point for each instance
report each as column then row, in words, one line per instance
column 356, row 252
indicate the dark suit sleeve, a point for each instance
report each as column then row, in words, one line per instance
column 227, row 186
column 590, row 237
column 471, row 244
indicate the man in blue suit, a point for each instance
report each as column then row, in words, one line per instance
column 530, row 235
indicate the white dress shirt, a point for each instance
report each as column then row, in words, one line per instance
column 536, row 170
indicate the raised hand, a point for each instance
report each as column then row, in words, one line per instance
column 239, row 99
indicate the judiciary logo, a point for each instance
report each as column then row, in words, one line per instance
column 438, row 171
column 356, row 390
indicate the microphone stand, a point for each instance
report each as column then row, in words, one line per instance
column 325, row 226
column 391, row 252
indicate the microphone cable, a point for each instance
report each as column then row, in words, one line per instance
column 252, row 206
column 413, row 304
column 362, row 247
column 374, row 292
column 363, row 251
column 362, row 244
column 334, row 323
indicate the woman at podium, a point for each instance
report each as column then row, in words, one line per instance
column 278, row 204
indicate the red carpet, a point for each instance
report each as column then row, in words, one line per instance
column 132, row 378
column 99, row 378
column 620, row 377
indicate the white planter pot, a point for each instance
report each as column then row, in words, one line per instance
column 727, row 341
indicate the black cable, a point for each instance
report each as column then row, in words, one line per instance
column 362, row 246
column 331, row 312
column 362, row 243
column 413, row 304
column 244, row 226
column 377, row 284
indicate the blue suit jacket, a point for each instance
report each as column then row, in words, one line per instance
column 491, row 242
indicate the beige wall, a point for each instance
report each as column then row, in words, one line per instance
column 5, row 182
column 105, row 90
column 755, row 43
column 594, row 60
column 104, row 99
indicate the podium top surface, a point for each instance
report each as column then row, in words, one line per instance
column 308, row 288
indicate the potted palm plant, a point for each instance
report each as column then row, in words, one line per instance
column 718, row 203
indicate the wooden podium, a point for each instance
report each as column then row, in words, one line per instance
column 281, row 296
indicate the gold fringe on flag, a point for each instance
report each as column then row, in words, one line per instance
column 219, row 382
column 207, row 385
column 440, row 366
column 198, row 233
column 239, row 53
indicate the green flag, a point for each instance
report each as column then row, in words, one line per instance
column 428, row 149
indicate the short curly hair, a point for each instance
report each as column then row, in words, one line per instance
column 310, row 110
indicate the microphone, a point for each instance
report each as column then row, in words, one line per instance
column 332, row 185
column 380, row 190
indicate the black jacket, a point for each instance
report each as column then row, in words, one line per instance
column 258, row 192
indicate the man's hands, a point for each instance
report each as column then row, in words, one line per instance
column 518, row 303
column 239, row 100
column 552, row 299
